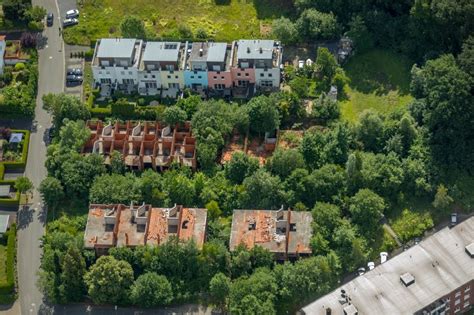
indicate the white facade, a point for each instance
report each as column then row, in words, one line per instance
column 149, row 82
column 267, row 78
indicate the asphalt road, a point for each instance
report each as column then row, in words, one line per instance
column 31, row 218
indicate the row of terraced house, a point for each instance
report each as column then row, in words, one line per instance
column 165, row 69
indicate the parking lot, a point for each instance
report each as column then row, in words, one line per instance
column 76, row 87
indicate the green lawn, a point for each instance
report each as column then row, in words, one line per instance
column 380, row 80
column 238, row 19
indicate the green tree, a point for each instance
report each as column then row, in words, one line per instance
column 73, row 271
column 370, row 130
column 445, row 97
column 353, row 172
column 115, row 188
column 151, row 290
column 35, row 13
column 326, row 65
column 109, row 280
column 366, row 208
column 326, row 218
column 325, row 184
column 132, row 27
column 315, row 25
column 264, row 185
column 62, row 106
column 240, row 166
column 219, row 288
column 285, row 161
column 263, row 114
column 284, row 30
column 442, row 200
column 466, row 57
column 117, row 165
column 52, row 191
column 360, row 35
column 23, row 185
column 174, row 115
column 325, row 108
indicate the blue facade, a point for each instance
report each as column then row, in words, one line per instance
column 194, row 79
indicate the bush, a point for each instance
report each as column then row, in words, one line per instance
column 412, row 224
column 88, row 55
column 20, row 66
column 123, row 108
column 185, row 31
column 8, row 287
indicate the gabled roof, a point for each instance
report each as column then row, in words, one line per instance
column 116, row 47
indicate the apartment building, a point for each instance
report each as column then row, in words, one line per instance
column 285, row 233
column 434, row 277
column 143, row 145
column 115, row 64
column 165, row 68
column 118, row 225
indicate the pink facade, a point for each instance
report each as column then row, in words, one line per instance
column 219, row 77
column 239, row 74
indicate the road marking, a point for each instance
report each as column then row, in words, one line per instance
column 50, row 57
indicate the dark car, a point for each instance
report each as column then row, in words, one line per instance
column 72, row 79
column 50, row 19
column 74, row 71
column 70, row 22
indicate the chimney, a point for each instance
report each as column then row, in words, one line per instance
column 248, row 50
column 200, row 52
column 407, row 279
column 261, row 50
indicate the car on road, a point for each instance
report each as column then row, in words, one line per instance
column 72, row 14
column 371, row 265
column 70, row 22
column 74, row 71
column 383, row 257
column 49, row 19
column 361, row 271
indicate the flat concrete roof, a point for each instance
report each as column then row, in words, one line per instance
column 216, row 52
column 161, row 51
column 272, row 229
column 116, row 47
column 439, row 265
column 5, row 190
column 255, row 49
column 4, row 219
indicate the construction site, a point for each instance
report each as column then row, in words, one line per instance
column 143, row 145
column 118, row 225
column 285, row 233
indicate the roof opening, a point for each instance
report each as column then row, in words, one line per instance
column 328, row 311
column 350, row 310
column 407, row 279
column 185, row 224
column 292, row 227
column 470, row 250
column 252, row 226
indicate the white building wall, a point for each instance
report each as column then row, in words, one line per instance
column 116, row 74
column 272, row 74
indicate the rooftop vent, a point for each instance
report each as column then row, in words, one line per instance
column 328, row 311
column 350, row 310
column 260, row 50
column 248, row 50
column 407, row 279
column 470, row 250
column 200, row 52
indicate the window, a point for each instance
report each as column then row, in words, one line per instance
column 130, row 72
column 150, row 85
column 222, row 78
column 242, row 83
column 215, row 78
column 169, row 77
column 266, row 83
column 107, row 72
column 106, row 81
column 262, row 74
column 458, row 294
column 458, row 301
column 270, row 75
column 457, row 310
column 175, row 76
column 192, row 77
column 219, row 86
column 199, row 77
column 100, row 72
column 153, row 76
column 122, row 72
column 127, row 81
column 466, row 304
column 466, row 297
column 246, row 74
column 238, row 74
column 467, row 289
column 146, row 76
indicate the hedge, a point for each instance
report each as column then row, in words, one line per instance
column 8, row 287
column 2, row 171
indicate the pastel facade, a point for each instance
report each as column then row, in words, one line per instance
column 166, row 68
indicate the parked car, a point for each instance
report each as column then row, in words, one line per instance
column 454, row 219
column 74, row 71
column 383, row 257
column 371, row 265
column 361, row 271
column 72, row 78
column 72, row 14
column 49, row 19
column 70, row 22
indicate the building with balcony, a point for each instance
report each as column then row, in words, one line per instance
column 435, row 276
column 115, row 64
column 143, row 145
column 285, row 233
column 118, row 225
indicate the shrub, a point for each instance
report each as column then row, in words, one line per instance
column 185, row 31
column 88, row 55
column 20, row 66
column 123, row 108
column 412, row 224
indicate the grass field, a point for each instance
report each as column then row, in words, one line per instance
column 237, row 19
column 380, row 80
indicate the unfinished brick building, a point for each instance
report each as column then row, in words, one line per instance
column 143, row 144
column 285, row 233
column 119, row 225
